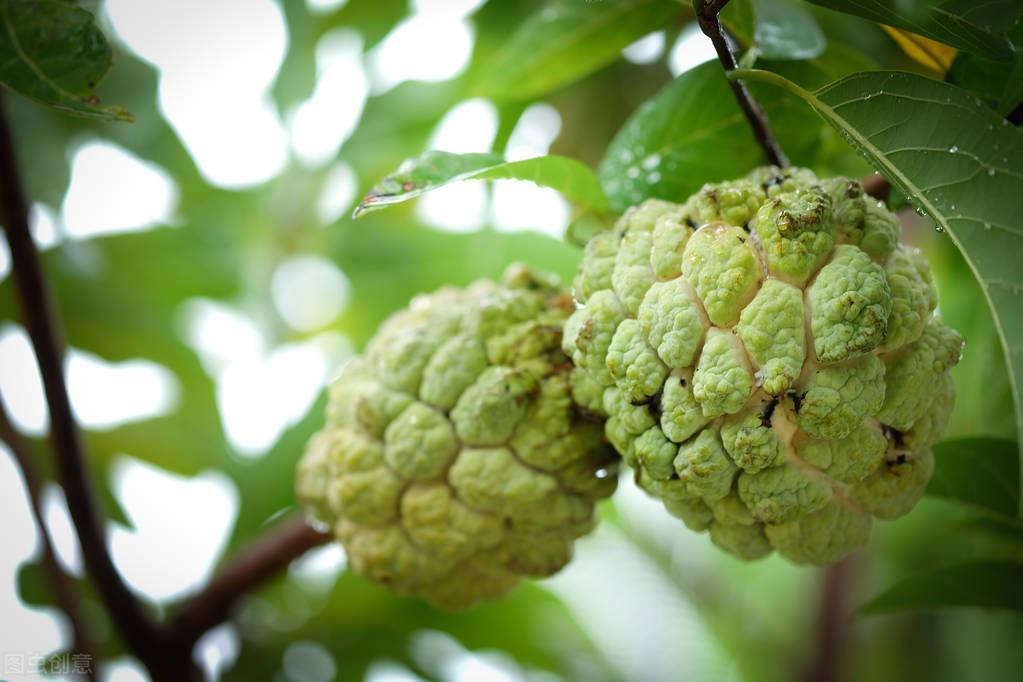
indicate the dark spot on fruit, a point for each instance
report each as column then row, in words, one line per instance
column 765, row 417
column 682, row 381
column 655, row 407
column 893, row 435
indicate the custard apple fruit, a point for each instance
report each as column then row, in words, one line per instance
column 454, row 461
column 769, row 360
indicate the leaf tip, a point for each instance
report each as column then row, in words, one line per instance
column 366, row 204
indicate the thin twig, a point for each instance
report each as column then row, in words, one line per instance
column 832, row 619
column 60, row 582
column 262, row 559
column 165, row 651
column 139, row 632
column 707, row 15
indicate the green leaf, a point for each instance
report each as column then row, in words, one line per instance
column 957, row 159
column 1000, row 527
column 52, row 52
column 362, row 624
column 784, row 29
column 693, row 132
column 738, row 18
column 985, row 584
column 982, row 472
column 996, row 83
column 966, row 24
column 119, row 297
column 435, row 169
column 567, row 39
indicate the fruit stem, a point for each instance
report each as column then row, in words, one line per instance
column 832, row 620
column 708, row 17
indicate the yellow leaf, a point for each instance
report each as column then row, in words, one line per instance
column 930, row 53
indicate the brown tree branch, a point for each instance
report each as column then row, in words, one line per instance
column 165, row 651
column 263, row 558
column 138, row 630
column 708, row 17
column 60, row 582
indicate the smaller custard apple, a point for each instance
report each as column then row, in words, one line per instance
column 454, row 461
column 769, row 360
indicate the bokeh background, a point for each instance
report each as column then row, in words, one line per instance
column 211, row 282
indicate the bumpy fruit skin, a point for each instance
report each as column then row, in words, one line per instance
column 769, row 360
column 454, row 461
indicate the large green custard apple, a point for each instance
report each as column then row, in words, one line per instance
column 454, row 461
column 769, row 360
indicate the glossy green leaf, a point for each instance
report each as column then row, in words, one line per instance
column 737, row 17
column 984, row 584
column 52, row 52
column 567, row 39
column 982, row 472
column 435, row 169
column 693, row 132
column 785, row 29
column 957, row 159
column 997, row 83
column 966, row 24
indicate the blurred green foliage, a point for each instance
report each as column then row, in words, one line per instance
column 121, row 297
